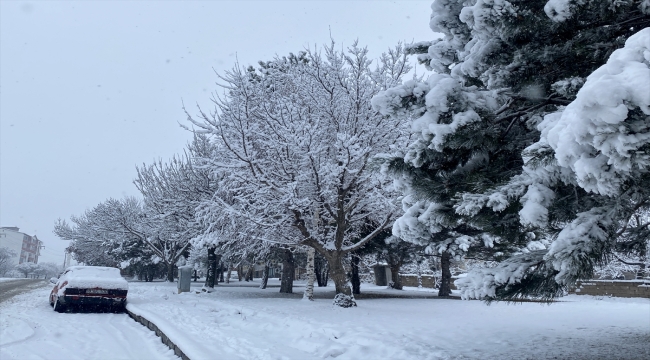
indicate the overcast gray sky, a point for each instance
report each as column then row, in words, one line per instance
column 89, row 89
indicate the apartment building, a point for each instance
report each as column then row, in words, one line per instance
column 26, row 247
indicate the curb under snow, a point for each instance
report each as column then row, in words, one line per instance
column 164, row 338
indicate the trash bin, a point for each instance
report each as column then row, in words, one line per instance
column 184, row 278
column 382, row 275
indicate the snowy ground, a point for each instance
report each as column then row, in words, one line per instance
column 244, row 322
column 9, row 289
column 240, row 321
column 8, row 279
column 30, row 329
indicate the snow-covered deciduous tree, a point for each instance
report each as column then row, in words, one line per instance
column 125, row 227
column 295, row 138
column 172, row 192
column 26, row 268
column 158, row 229
column 6, row 254
column 91, row 251
column 311, row 275
column 95, row 246
column 47, row 270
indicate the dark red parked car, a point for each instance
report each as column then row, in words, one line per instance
column 89, row 285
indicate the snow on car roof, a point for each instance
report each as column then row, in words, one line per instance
column 94, row 277
column 94, row 271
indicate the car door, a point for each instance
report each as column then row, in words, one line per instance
column 56, row 287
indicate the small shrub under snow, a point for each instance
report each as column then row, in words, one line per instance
column 344, row 301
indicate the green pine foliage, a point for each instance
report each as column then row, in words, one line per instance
column 501, row 67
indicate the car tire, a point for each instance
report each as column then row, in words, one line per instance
column 120, row 309
column 58, row 307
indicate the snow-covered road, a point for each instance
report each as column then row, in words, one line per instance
column 12, row 287
column 30, row 329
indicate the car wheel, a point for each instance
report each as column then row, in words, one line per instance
column 58, row 307
column 121, row 308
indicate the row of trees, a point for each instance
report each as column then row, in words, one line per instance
column 7, row 267
column 525, row 148
column 283, row 163
column 143, row 233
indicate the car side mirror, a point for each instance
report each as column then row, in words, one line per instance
column 53, row 280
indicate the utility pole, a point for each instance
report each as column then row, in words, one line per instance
column 66, row 259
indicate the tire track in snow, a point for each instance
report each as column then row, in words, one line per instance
column 21, row 328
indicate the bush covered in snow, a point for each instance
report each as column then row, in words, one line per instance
column 344, row 301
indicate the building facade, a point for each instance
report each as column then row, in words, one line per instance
column 26, row 247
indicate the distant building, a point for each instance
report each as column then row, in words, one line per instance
column 26, row 247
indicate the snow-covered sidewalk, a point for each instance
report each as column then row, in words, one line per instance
column 245, row 322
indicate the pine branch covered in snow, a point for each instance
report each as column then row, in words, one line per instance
column 601, row 141
column 482, row 162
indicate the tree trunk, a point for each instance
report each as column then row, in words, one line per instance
column 149, row 273
column 356, row 281
column 641, row 272
column 317, row 271
column 240, row 270
column 229, row 273
column 337, row 271
column 321, row 269
column 212, row 268
column 445, row 282
column 217, row 265
column 170, row 272
column 221, row 269
column 265, row 275
column 249, row 273
column 394, row 274
column 309, row 290
column 288, row 270
column 326, row 275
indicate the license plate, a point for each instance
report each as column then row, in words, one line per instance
column 96, row 291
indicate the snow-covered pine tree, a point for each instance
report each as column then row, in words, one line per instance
column 501, row 66
column 295, row 137
column 588, row 180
